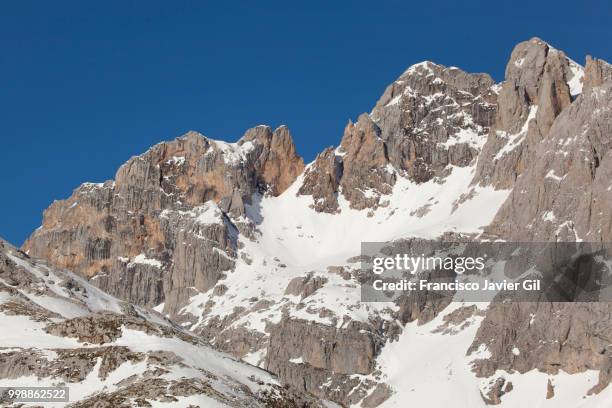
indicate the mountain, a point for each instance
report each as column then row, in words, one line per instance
column 58, row 329
column 258, row 255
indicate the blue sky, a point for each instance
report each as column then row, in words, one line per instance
column 86, row 85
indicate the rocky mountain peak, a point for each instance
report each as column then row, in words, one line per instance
column 359, row 168
column 275, row 157
column 430, row 117
column 596, row 72
column 548, row 147
column 362, row 140
column 321, row 180
column 429, row 78
column 540, row 83
column 219, row 237
column 152, row 218
column 366, row 173
column 537, row 74
column 564, row 194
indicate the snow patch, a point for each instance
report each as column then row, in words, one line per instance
column 551, row 175
column 142, row 259
column 234, row 153
column 176, row 160
column 515, row 139
column 467, row 136
column 575, row 84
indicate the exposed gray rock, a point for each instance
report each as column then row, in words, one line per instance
column 596, row 73
column 154, row 209
column 308, row 355
column 533, row 94
column 499, row 388
column 305, row 286
column 381, row 393
column 168, row 229
column 115, row 374
column 564, row 195
column 101, row 328
column 523, row 336
column 71, row 365
column 432, row 116
column 458, row 320
column 346, row 351
column 322, row 181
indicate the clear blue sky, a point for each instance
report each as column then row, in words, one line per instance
column 85, row 85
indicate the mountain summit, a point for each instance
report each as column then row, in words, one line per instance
column 257, row 254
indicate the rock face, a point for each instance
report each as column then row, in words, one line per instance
column 558, row 161
column 430, row 117
column 366, row 174
column 258, row 256
column 545, row 336
column 536, row 90
column 306, row 355
column 565, row 194
column 322, row 181
column 433, row 116
column 305, row 286
column 345, row 351
column 596, row 73
column 359, row 167
column 57, row 328
column 156, row 231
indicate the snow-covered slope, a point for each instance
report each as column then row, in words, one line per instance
column 258, row 255
column 445, row 378
column 57, row 329
column 294, row 240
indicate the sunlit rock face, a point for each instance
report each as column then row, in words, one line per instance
column 258, row 255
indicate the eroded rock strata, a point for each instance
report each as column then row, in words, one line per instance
column 258, row 255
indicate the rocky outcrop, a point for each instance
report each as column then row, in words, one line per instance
column 71, row 365
column 115, row 358
column 535, row 91
column 182, row 228
column 596, row 73
column 380, row 394
column 546, row 336
column 498, row 388
column 322, row 181
column 565, row 194
column 305, row 286
column 101, row 328
column 366, row 174
column 345, row 351
column 359, row 168
column 562, row 196
column 156, row 231
column 276, row 163
column 431, row 117
column 308, row 355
